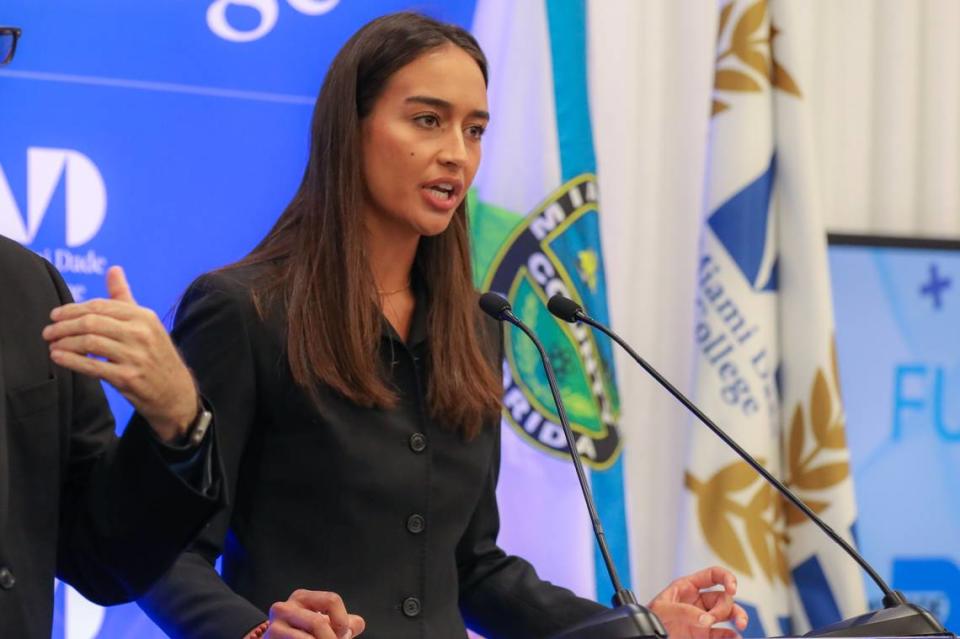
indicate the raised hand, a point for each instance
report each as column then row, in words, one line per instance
column 131, row 351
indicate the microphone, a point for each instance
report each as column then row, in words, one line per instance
column 898, row 617
column 627, row 618
column 497, row 307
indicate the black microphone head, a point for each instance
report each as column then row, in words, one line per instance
column 494, row 305
column 564, row 308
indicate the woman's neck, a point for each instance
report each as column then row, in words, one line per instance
column 391, row 261
column 390, row 254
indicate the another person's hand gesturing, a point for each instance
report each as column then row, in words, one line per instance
column 132, row 351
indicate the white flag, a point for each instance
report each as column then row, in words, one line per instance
column 766, row 360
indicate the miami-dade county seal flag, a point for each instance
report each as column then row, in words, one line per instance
column 535, row 232
column 764, row 335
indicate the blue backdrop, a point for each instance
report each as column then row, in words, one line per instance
column 164, row 136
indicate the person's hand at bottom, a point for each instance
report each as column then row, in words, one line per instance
column 312, row 614
column 688, row 609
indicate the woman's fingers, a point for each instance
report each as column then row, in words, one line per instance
column 357, row 625
column 684, row 620
column 320, row 614
column 740, row 617
column 281, row 630
column 688, row 612
column 329, row 603
column 293, row 615
column 712, row 576
column 723, row 633
column 722, row 606
column 718, row 604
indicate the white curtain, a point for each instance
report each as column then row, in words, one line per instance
column 886, row 101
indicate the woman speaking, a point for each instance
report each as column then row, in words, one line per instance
column 357, row 386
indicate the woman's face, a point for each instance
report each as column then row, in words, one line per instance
column 421, row 142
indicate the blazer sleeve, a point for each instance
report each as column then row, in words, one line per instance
column 501, row 596
column 125, row 515
column 214, row 329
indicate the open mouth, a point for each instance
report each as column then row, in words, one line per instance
column 442, row 191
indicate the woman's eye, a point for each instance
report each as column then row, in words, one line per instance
column 476, row 131
column 428, row 120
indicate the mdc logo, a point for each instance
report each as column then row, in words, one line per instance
column 268, row 11
column 84, row 193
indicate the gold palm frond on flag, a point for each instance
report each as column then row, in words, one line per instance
column 752, row 47
column 736, row 492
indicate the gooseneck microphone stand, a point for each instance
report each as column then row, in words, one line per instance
column 898, row 617
column 628, row 619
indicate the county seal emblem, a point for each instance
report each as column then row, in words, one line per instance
column 528, row 259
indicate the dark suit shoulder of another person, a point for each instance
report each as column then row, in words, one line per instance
column 107, row 515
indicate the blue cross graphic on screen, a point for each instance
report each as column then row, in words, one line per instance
column 935, row 287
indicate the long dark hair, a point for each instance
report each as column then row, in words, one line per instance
column 316, row 248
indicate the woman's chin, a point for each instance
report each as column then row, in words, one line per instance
column 436, row 226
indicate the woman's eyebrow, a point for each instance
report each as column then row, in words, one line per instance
column 440, row 103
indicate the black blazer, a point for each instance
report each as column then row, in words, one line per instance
column 106, row 515
column 385, row 507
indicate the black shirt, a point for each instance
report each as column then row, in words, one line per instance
column 392, row 511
